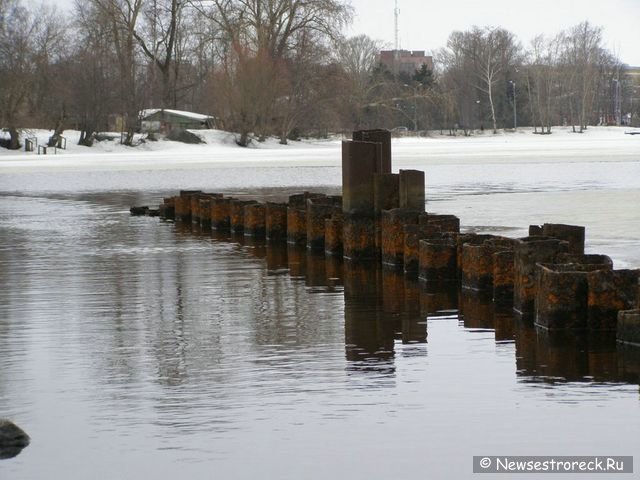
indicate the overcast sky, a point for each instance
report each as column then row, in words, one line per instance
column 425, row 25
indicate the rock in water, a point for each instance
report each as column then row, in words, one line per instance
column 12, row 439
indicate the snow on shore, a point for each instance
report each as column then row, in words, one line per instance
column 220, row 149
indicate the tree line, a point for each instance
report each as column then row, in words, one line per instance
column 284, row 68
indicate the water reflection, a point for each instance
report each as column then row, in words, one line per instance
column 137, row 329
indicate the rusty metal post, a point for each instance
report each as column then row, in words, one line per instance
column 318, row 211
column 503, row 277
column 221, row 214
column 528, row 252
column 359, row 163
column 168, row 208
column 333, row 235
column 236, row 214
column 392, row 227
column 386, row 193
column 412, row 190
column 570, row 233
column 296, row 226
column 562, row 296
column 628, row 327
column 377, row 136
column 438, row 260
column 183, row 205
column 254, row 220
column 609, row 292
column 276, row 221
column 446, row 223
column 413, row 233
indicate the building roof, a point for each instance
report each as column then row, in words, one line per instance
column 180, row 113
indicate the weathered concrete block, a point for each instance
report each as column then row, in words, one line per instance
column 276, row 221
column 359, row 165
column 562, row 296
column 236, row 214
column 609, row 292
column 438, row 261
column 383, row 137
column 255, row 220
column 297, row 226
column 412, row 190
column 528, row 252
column 392, row 226
column 570, row 233
column 413, row 233
column 333, row 235
column 628, row 328
column 358, row 238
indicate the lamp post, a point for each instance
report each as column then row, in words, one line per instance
column 515, row 111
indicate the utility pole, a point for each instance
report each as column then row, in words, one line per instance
column 515, row 110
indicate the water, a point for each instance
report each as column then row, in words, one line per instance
column 133, row 347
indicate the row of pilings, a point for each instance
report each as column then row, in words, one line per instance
column 545, row 277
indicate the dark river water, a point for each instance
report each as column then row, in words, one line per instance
column 132, row 347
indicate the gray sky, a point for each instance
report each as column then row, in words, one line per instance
column 426, row 25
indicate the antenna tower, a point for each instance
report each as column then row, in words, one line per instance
column 396, row 13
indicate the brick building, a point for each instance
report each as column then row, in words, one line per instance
column 405, row 61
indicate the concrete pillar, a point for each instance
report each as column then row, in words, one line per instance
column 392, row 226
column 628, row 327
column 438, row 260
column 316, row 275
column 570, row 233
column 333, row 235
column 221, row 214
column 378, row 136
column 255, row 220
column 609, row 292
column 276, row 221
column 413, row 233
column 528, row 252
column 236, row 214
column 412, row 190
column 535, row 230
